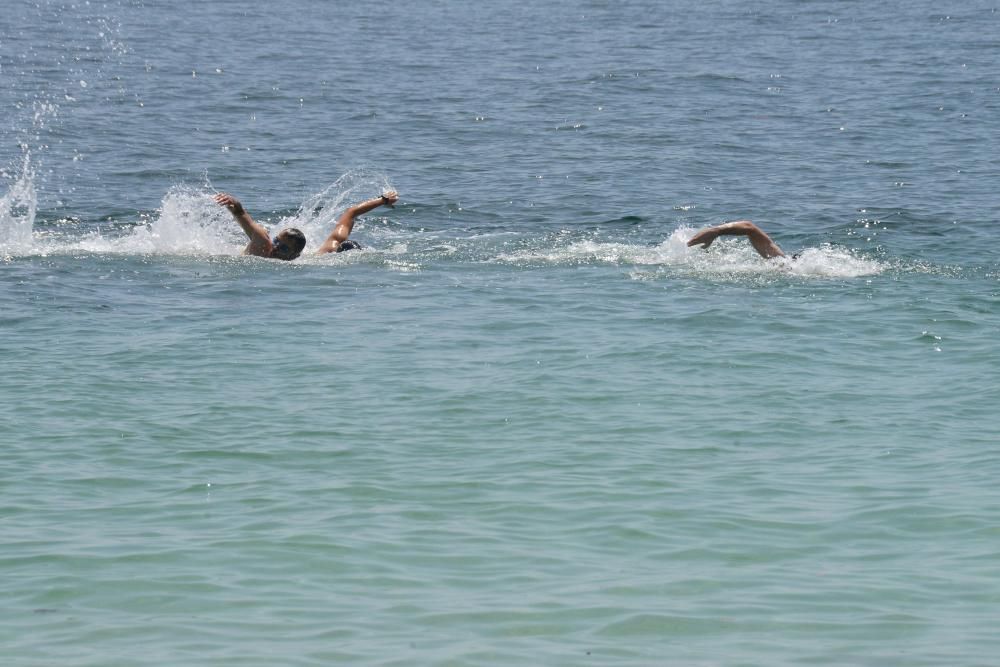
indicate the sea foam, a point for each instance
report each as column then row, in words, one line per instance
column 17, row 212
column 726, row 257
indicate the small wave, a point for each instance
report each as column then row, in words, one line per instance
column 715, row 76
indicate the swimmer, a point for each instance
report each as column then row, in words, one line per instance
column 760, row 241
column 288, row 244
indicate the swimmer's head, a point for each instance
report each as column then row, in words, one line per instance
column 348, row 245
column 288, row 244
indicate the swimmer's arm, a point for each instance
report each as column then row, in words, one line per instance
column 760, row 241
column 346, row 221
column 260, row 240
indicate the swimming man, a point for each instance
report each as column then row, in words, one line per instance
column 760, row 241
column 288, row 244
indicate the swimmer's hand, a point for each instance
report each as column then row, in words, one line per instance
column 704, row 238
column 230, row 202
column 390, row 197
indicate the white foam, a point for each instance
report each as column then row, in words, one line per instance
column 828, row 261
column 188, row 221
column 318, row 214
column 726, row 257
column 17, row 212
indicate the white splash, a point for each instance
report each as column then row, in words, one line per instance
column 726, row 257
column 17, row 212
column 188, row 222
column 318, row 215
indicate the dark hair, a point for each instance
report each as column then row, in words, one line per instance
column 296, row 240
column 348, row 245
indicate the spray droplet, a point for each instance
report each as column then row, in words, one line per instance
column 83, row 84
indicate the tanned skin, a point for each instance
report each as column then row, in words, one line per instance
column 346, row 221
column 760, row 241
column 284, row 245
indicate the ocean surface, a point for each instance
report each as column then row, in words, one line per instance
column 526, row 424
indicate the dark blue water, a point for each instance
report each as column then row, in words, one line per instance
column 797, row 116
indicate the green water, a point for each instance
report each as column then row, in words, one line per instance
column 235, row 461
column 526, row 425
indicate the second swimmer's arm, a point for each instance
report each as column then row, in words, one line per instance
column 760, row 241
column 346, row 221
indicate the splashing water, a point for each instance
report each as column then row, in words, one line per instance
column 728, row 257
column 17, row 212
column 70, row 61
column 189, row 222
column 318, row 214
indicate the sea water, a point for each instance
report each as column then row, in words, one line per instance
column 525, row 424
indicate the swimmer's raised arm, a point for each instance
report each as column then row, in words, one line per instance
column 760, row 241
column 260, row 240
column 346, row 221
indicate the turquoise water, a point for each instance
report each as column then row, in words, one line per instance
column 526, row 424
